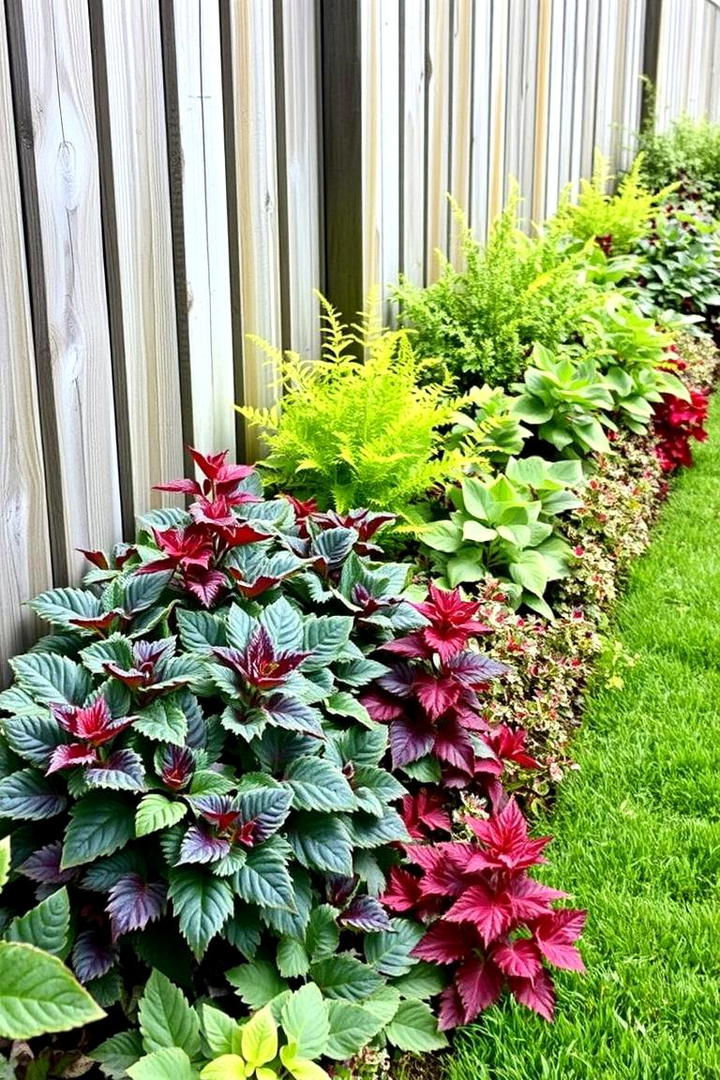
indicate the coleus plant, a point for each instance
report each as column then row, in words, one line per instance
column 186, row 753
column 675, row 422
column 491, row 924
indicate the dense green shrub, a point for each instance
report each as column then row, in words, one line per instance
column 688, row 151
column 484, row 319
column 350, row 433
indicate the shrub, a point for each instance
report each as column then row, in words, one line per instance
column 504, row 527
column 485, row 430
column 356, row 434
column 616, row 222
column 186, row 753
column 688, row 151
column 483, row 320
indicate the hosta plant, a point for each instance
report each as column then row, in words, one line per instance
column 186, row 753
column 504, row 527
column 38, row 993
column 491, row 924
column 567, row 400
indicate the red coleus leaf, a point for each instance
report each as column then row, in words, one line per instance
column 100, row 623
column 556, row 933
column 505, row 841
column 445, row 943
column 452, row 621
column 531, row 899
column 537, row 994
column 259, row 664
column 520, row 957
column 185, row 547
column 479, row 984
column 510, row 746
column 444, row 866
column 183, row 486
column 404, row 891
column 218, row 471
column 424, row 812
column 490, row 911
column 97, row 558
column 218, row 810
column 93, row 724
column 435, row 691
column 454, row 746
column 206, row 585
column 381, row 707
column 133, row 903
column 452, row 1011
column 67, row 756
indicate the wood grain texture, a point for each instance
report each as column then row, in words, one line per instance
column 437, row 121
column 461, row 118
column 24, row 543
column 412, row 140
column 65, row 152
column 205, row 223
column 257, row 195
column 144, row 245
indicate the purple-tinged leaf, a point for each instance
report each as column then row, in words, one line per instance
column 72, row 754
column 133, row 903
column 471, row 668
column 409, row 741
column 286, row 712
column 92, row 955
column 43, row 866
column 123, row 771
column 366, row 914
column 200, row 845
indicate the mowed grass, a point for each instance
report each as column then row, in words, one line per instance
column 638, row 835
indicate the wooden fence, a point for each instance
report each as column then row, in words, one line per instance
column 178, row 174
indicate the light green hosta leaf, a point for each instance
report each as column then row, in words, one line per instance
column 300, row 1068
column 466, row 566
column 166, row 1019
column 45, row 925
column 170, row 1063
column 38, row 994
column 530, row 570
column 156, row 812
column 305, row 1021
column 415, row 1028
column 477, row 533
column 441, row 536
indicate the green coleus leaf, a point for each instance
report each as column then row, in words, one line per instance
column 163, row 721
column 284, row 623
column 45, row 925
column 256, row 982
column 63, row 606
column 422, row 981
column 321, row 842
column 325, row 637
column 388, row 951
column 305, row 1021
column 116, row 649
column 200, row 631
column 166, row 1019
column 352, row 1027
column 33, row 737
column 317, row 784
column 28, row 795
column 344, row 976
column 100, row 823
column 202, row 903
column 414, row 1028
column 118, row 1053
column 38, row 994
column 170, row 1063
column 142, row 591
column 342, row 703
column 291, row 958
column 157, row 812
column 219, row 1029
column 264, row 879
column 52, row 679
column 323, row 935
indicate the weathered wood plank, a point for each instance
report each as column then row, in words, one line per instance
column 24, row 543
column 412, row 140
column 144, row 245
column 66, row 164
column 438, row 126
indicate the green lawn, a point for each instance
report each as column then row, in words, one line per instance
column 638, row 835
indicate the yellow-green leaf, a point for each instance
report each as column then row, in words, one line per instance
column 4, row 861
column 259, row 1038
column 301, row 1068
column 227, row 1067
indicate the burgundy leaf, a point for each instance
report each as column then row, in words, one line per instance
column 445, row 943
column 556, row 934
column 452, row 1010
column 409, row 741
column 479, row 984
column 366, row 914
column 490, row 912
column 206, row 585
column 64, row 757
column 537, row 994
column 521, row 958
column 403, row 892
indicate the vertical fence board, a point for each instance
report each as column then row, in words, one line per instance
column 461, row 105
column 66, row 163
column 438, row 126
column 24, row 544
column 412, row 140
column 481, row 105
column 144, row 244
column 205, row 224
column 257, row 195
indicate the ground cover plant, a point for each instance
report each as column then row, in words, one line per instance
column 636, row 835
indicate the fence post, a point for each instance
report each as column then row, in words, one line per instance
column 651, row 50
column 340, row 101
